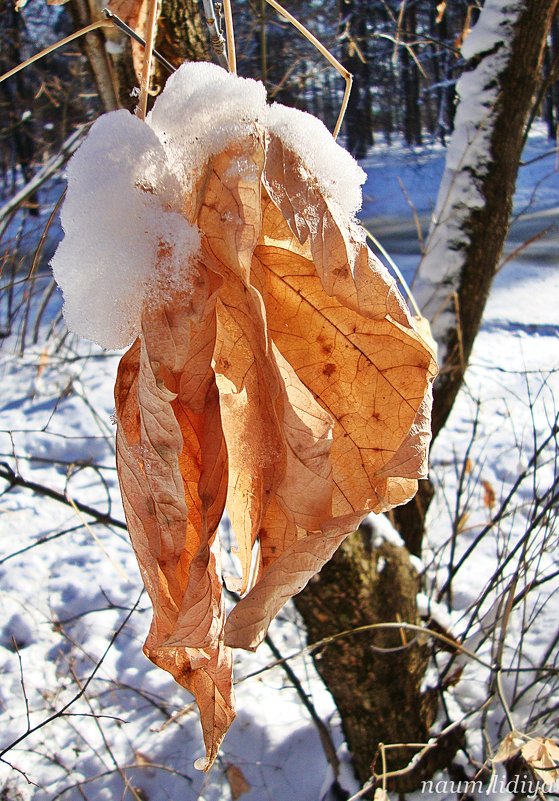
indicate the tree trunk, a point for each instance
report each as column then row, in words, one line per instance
column 379, row 695
column 410, row 81
column 181, row 33
column 93, row 45
column 466, row 243
column 374, row 676
column 358, row 120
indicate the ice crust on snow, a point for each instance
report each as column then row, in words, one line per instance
column 126, row 235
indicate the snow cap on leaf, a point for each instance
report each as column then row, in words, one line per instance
column 276, row 370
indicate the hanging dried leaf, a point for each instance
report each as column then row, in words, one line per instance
column 509, row 746
column 237, row 782
column 542, row 755
column 276, row 371
column 441, row 8
column 134, row 14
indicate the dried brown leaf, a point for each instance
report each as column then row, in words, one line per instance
column 509, row 746
column 441, row 8
column 237, row 782
column 172, row 466
column 289, row 383
column 134, row 13
column 542, row 754
column 488, row 495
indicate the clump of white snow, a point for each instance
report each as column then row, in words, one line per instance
column 203, row 110
column 334, row 169
column 126, row 234
column 496, row 27
column 117, row 217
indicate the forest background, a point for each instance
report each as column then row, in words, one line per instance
column 406, row 61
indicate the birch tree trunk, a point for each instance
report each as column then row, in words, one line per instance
column 380, row 697
column 505, row 51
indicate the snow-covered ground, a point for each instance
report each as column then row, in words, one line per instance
column 84, row 715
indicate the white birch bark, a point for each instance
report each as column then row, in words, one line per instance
column 488, row 48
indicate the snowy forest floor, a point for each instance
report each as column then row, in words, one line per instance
column 84, row 715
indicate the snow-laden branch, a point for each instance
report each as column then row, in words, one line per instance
column 469, row 158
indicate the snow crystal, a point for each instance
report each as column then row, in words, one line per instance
column 126, row 234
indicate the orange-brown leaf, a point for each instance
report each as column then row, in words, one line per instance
column 172, row 466
column 542, row 754
column 289, row 382
column 489, row 497
column 134, row 13
column 237, row 782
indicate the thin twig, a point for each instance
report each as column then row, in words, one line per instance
column 415, row 215
column 323, row 733
column 456, row 646
column 137, row 38
column 14, row 480
column 392, row 774
column 526, row 244
column 106, row 743
column 50, row 168
column 96, row 539
column 60, row 712
column 102, row 23
column 40, row 247
column 230, row 35
column 502, row 509
column 459, row 511
column 145, row 80
column 216, row 36
column 22, row 682
column 503, row 700
column 346, row 75
column 395, row 267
